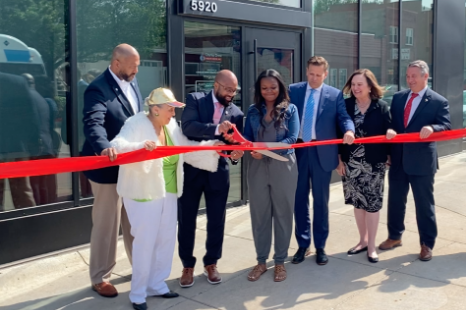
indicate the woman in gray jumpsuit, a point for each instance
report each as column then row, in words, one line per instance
column 272, row 183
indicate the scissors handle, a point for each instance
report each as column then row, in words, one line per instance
column 223, row 155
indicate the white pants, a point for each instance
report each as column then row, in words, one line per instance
column 153, row 226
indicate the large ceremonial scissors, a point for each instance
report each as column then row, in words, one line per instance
column 240, row 140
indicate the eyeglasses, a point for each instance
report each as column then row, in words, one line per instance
column 229, row 89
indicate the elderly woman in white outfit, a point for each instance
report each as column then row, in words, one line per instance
column 150, row 190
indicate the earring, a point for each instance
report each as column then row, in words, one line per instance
column 156, row 114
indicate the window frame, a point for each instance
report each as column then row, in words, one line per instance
column 409, row 38
column 393, row 35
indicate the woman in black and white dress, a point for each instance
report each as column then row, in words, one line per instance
column 362, row 166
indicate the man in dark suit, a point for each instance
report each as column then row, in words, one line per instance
column 418, row 109
column 44, row 187
column 19, row 135
column 109, row 101
column 321, row 108
column 206, row 117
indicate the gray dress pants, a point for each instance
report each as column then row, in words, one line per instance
column 272, row 187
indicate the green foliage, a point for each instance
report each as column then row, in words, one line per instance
column 321, row 6
column 101, row 25
column 38, row 23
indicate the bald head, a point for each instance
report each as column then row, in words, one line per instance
column 225, row 87
column 124, row 50
column 226, row 76
column 125, row 62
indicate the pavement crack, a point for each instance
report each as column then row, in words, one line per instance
column 444, row 208
column 82, row 257
column 193, row 300
column 229, row 235
column 128, row 277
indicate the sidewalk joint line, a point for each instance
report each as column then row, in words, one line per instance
column 82, row 257
column 444, row 208
column 413, row 231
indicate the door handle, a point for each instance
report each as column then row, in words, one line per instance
column 255, row 59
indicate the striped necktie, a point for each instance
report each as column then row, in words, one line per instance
column 308, row 117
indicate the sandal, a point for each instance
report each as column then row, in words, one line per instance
column 280, row 273
column 256, row 272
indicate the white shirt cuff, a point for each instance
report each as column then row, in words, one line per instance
column 216, row 131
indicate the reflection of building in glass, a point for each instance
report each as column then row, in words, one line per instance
column 336, row 39
column 209, row 49
column 278, row 59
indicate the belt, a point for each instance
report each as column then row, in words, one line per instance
column 301, row 140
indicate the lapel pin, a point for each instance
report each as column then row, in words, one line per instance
column 116, row 89
column 427, row 100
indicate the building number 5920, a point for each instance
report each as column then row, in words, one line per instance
column 203, row 6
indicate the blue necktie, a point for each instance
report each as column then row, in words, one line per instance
column 308, row 117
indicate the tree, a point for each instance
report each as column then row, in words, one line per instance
column 321, row 6
column 40, row 24
column 103, row 24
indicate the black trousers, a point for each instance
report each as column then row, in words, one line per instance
column 423, row 192
column 216, row 195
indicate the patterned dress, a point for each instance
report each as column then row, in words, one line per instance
column 363, row 183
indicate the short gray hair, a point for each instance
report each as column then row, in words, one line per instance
column 421, row 64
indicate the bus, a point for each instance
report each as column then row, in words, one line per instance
column 17, row 58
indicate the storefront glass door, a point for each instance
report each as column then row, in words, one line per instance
column 268, row 49
column 210, row 48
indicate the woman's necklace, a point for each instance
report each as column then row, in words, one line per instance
column 361, row 106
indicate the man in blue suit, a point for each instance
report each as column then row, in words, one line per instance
column 207, row 117
column 321, row 108
column 109, row 101
column 418, row 109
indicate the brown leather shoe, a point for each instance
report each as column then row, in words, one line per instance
column 426, row 253
column 105, row 289
column 213, row 277
column 256, row 272
column 187, row 277
column 279, row 273
column 390, row 244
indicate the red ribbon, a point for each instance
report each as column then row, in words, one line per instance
column 73, row 164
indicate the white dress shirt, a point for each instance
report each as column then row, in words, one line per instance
column 214, row 99
column 416, row 102
column 129, row 92
column 317, row 93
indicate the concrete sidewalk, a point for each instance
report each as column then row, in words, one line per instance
column 398, row 281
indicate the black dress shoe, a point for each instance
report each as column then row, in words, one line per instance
column 372, row 259
column 353, row 251
column 140, row 306
column 170, row 295
column 321, row 257
column 300, row 255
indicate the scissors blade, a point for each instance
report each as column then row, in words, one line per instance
column 271, row 144
column 272, row 155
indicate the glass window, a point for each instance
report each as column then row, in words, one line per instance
column 418, row 16
column 32, row 99
column 464, row 81
column 332, row 77
column 336, row 37
column 102, row 25
column 292, row 3
column 379, row 43
column 278, row 59
column 210, row 48
column 342, row 77
column 393, row 35
column 409, row 36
